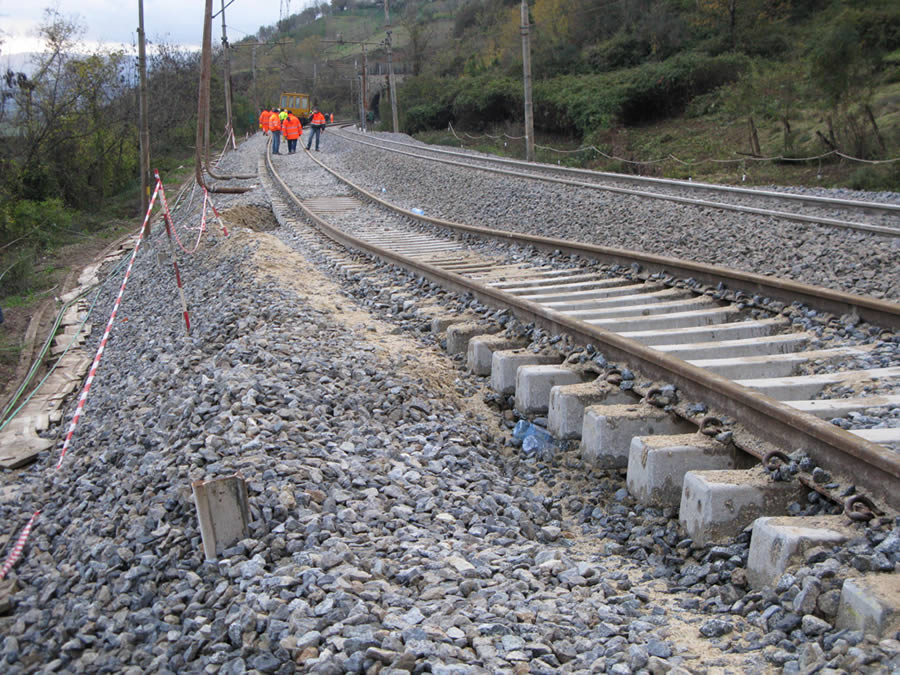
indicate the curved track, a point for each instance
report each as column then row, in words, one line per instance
column 766, row 422
column 875, row 217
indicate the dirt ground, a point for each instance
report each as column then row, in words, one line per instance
column 17, row 343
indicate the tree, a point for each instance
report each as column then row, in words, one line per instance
column 420, row 34
column 75, row 132
column 741, row 21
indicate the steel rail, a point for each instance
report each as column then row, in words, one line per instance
column 881, row 208
column 786, row 215
column 864, row 463
column 878, row 312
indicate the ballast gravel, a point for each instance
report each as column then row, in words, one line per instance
column 395, row 526
column 846, row 260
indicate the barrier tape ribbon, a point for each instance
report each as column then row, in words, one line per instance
column 109, row 325
column 16, row 551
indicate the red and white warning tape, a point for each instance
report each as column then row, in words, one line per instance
column 16, row 551
column 18, row 547
column 13, row 557
column 112, row 317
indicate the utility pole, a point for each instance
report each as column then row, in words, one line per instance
column 526, row 67
column 364, row 102
column 144, row 121
column 202, row 137
column 392, row 88
column 229, row 124
column 362, row 109
column 256, row 107
column 203, row 95
column 365, row 77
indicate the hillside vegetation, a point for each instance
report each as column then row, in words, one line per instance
column 757, row 91
column 718, row 84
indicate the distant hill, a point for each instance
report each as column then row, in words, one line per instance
column 753, row 79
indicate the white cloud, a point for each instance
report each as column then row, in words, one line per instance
column 115, row 22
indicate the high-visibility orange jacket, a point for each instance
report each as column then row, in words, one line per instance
column 318, row 120
column 332, row 118
column 264, row 120
column 274, row 122
column 291, row 127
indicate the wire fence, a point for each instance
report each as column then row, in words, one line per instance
column 673, row 158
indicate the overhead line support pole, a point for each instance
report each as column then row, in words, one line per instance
column 202, row 139
column 365, row 77
column 526, row 68
column 144, row 117
column 229, row 123
column 365, row 67
column 391, row 86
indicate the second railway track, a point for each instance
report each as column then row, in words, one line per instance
column 869, row 215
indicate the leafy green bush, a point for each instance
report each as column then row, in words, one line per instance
column 37, row 224
column 17, row 269
column 852, row 47
column 656, row 91
column 767, row 42
column 427, row 103
column 484, row 100
column 652, row 91
column 620, row 51
column 427, row 116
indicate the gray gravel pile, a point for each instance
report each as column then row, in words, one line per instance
column 845, row 260
column 392, row 530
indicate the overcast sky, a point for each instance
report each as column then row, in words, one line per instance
column 115, row 21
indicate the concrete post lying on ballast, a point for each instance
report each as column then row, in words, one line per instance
column 657, row 464
column 779, row 541
column 608, row 429
column 505, row 364
column 482, row 347
column 717, row 505
column 533, row 385
column 565, row 416
column 223, row 510
column 459, row 334
column 870, row 603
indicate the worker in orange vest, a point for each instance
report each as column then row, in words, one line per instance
column 275, row 128
column 291, row 128
column 331, row 119
column 264, row 121
column 318, row 123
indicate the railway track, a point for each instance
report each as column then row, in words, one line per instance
column 725, row 343
column 855, row 214
column 390, row 523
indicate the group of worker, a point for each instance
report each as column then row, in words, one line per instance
column 282, row 121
